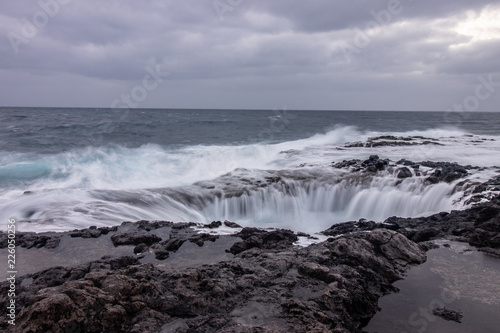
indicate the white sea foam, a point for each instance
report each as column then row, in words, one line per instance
column 107, row 185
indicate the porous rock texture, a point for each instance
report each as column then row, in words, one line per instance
column 270, row 285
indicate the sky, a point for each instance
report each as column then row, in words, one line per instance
column 418, row 55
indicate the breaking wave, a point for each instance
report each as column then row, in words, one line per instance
column 289, row 184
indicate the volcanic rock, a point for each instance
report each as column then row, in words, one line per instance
column 269, row 286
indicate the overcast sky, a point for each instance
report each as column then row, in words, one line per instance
column 252, row 54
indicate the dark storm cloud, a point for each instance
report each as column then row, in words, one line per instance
column 247, row 54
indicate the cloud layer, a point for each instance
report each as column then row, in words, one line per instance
column 253, row 54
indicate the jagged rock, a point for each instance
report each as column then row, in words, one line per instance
column 447, row 314
column 183, row 225
column 232, row 224
column 445, row 171
column 269, row 284
column 31, row 240
column 200, row 239
column 426, row 234
column 214, row 225
column 173, row 244
column 141, row 248
column 490, row 185
column 92, row 232
column 487, row 228
column 390, row 140
column 277, row 287
column 258, row 238
column 372, row 164
column 162, row 254
column 478, row 225
column 134, row 238
column 405, row 162
column 404, row 173
column 361, row 225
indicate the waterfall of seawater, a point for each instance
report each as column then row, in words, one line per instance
column 315, row 205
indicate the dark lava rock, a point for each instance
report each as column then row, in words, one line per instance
column 258, row 238
column 478, row 225
column 162, row 254
column 390, row 140
column 361, row 225
column 432, row 180
column 276, row 179
column 173, row 244
column 107, row 230
column 268, row 286
column 490, row 185
column 134, row 238
column 232, row 224
column 345, row 164
column 148, row 225
column 200, row 239
column 484, row 191
column 445, row 171
column 404, row 173
column 31, row 240
column 426, row 235
column 141, row 248
column 447, row 314
column 381, row 164
column 215, row 225
column 327, row 287
column 487, row 228
column 183, row 225
column 372, row 164
column 405, row 162
column 86, row 233
column 92, row 232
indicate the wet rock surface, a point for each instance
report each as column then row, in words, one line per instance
column 485, row 191
column 479, row 226
column 404, row 173
column 390, row 140
column 134, row 238
column 32, row 240
column 261, row 239
column 447, row 314
column 445, row 171
column 436, row 171
column 266, row 284
column 270, row 285
column 372, row 164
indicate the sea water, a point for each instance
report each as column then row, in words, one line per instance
column 67, row 168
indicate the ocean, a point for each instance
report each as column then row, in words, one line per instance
column 71, row 168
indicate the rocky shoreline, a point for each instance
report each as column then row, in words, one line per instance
column 184, row 277
column 268, row 285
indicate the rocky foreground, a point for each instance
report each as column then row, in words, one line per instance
column 261, row 282
column 270, row 285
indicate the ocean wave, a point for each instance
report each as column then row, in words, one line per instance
column 106, row 185
column 152, row 165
